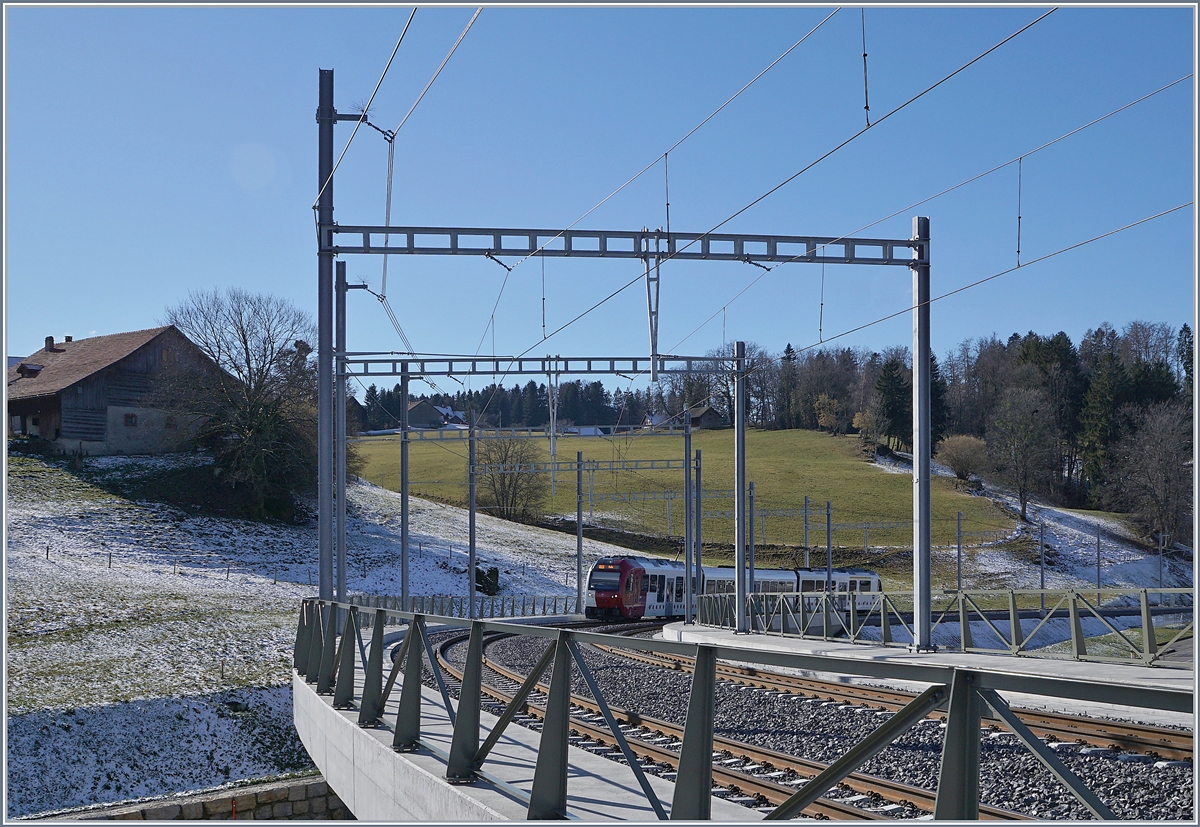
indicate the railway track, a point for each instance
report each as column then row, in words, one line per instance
column 1166, row 743
column 761, row 777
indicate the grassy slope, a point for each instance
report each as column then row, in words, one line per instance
column 784, row 465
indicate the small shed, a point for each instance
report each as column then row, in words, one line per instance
column 421, row 414
column 706, row 416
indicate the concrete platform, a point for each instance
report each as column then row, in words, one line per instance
column 1113, row 673
column 379, row 784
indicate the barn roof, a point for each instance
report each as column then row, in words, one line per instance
column 71, row 362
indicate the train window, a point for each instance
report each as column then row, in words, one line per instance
column 864, row 585
column 841, row 587
column 605, row 581
column 853, row 586
column 653, row 581
column 678, row 589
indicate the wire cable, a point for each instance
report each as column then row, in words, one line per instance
column 363, row 116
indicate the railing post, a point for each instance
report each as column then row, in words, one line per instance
column 885, row 622
column 964, row 624
column 465, row 743
column 316, row 643
column 548, row 798
column 695, row 756
column 958, row 781
column 1014, row 624
column 325, row 675
column 343, row 695
column 1078, row 645
column 303, row 637
column 408, row 716
column 1149, row 641
column 369, row 712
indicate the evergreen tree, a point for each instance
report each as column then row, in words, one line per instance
column 788, row 385
column 937, row 401
column 1184, row 350
column 895, row 401
column 1108, row 390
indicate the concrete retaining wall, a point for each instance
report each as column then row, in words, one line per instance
column 302, row 798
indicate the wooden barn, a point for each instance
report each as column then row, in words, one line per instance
column 94, row 395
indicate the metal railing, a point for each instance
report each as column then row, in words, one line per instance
column 885, row 618
column 967, row 694
column 489, row 607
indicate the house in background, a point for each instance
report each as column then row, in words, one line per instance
column 705, row 416
column 94, row 395
column 451, row 416
column 423, row 415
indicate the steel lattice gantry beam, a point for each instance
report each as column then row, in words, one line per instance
column 493, row 242
column 394, row 364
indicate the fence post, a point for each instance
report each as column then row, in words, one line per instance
column 958, row 782
column 1149, row 641
column 325, row 674
column 695, row 755
column 303, row 635
column 464, row 745
column 316, row 643
column 548, row 798
column 1014, row 624
column 343, row 694
column 1078, row 646
column 369, row 712
column 408, row 716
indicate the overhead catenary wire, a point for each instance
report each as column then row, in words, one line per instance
column 866, row 97
column 387, row 220
column 366, row 107
column 940, row 193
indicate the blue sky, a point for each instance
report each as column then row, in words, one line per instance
column 155, row 151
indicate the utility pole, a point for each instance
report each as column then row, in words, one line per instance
column 959, row 533
column 739, row 493
column 1042, row 559
column 578, row 530
column 922, row 550
column 806, row 532
column 326, row 117
column 750, row 554
column 471, row 518
column 691, row 584
column 699, row 535
column 404, row 593
column 339, row 420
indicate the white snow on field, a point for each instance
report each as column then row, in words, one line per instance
column 1071, row 543
column 118, row 673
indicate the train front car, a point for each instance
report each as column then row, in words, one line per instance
column 614, row 590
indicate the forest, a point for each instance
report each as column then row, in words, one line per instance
column 1105, row 423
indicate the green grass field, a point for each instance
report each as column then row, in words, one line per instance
column 785, row 466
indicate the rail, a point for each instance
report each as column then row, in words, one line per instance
column 489, row 607
column 968, row 695
column 985, row 621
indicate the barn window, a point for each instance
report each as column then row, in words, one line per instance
column 169, row 422
column 131, row 420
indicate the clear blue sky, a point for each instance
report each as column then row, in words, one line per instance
column 155, row 151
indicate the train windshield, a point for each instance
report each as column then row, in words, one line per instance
column 604, row 581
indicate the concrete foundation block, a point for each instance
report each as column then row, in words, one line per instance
column 219, row 807
column 191, row 810
column 161, row 813
column 271, row 796
column 299, row 808
column 296, row 793
column 317, row 789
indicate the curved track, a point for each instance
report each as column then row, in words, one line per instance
column 764, row 777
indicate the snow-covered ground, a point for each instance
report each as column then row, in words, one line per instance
column 1071, row 539
column 118, row 678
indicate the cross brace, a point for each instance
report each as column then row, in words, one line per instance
column 385, row 364
column 641, row 244
column 587, row 465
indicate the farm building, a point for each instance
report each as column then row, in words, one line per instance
column 423, row 415
column 94, row 395
column 706, row 416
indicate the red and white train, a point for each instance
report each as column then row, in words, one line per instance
column 630, row 588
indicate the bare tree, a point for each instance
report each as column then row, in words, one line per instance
column 1156, row 480
column 257, row 413
column 1021, row 441
column 514, row 496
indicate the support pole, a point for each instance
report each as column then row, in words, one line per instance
column 326, row 117
column 750, row 547
column 806, row 532
column 339, row 419
column 959, row 535
column 739, row 493
column 579, row 530
column 471, row 521
column 922, row 570
column 404, row 594
column 1097, row 567
column 691, row 584
column 828, row 562
column 552, row 399
column 1042, row 559
column 699, row 535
